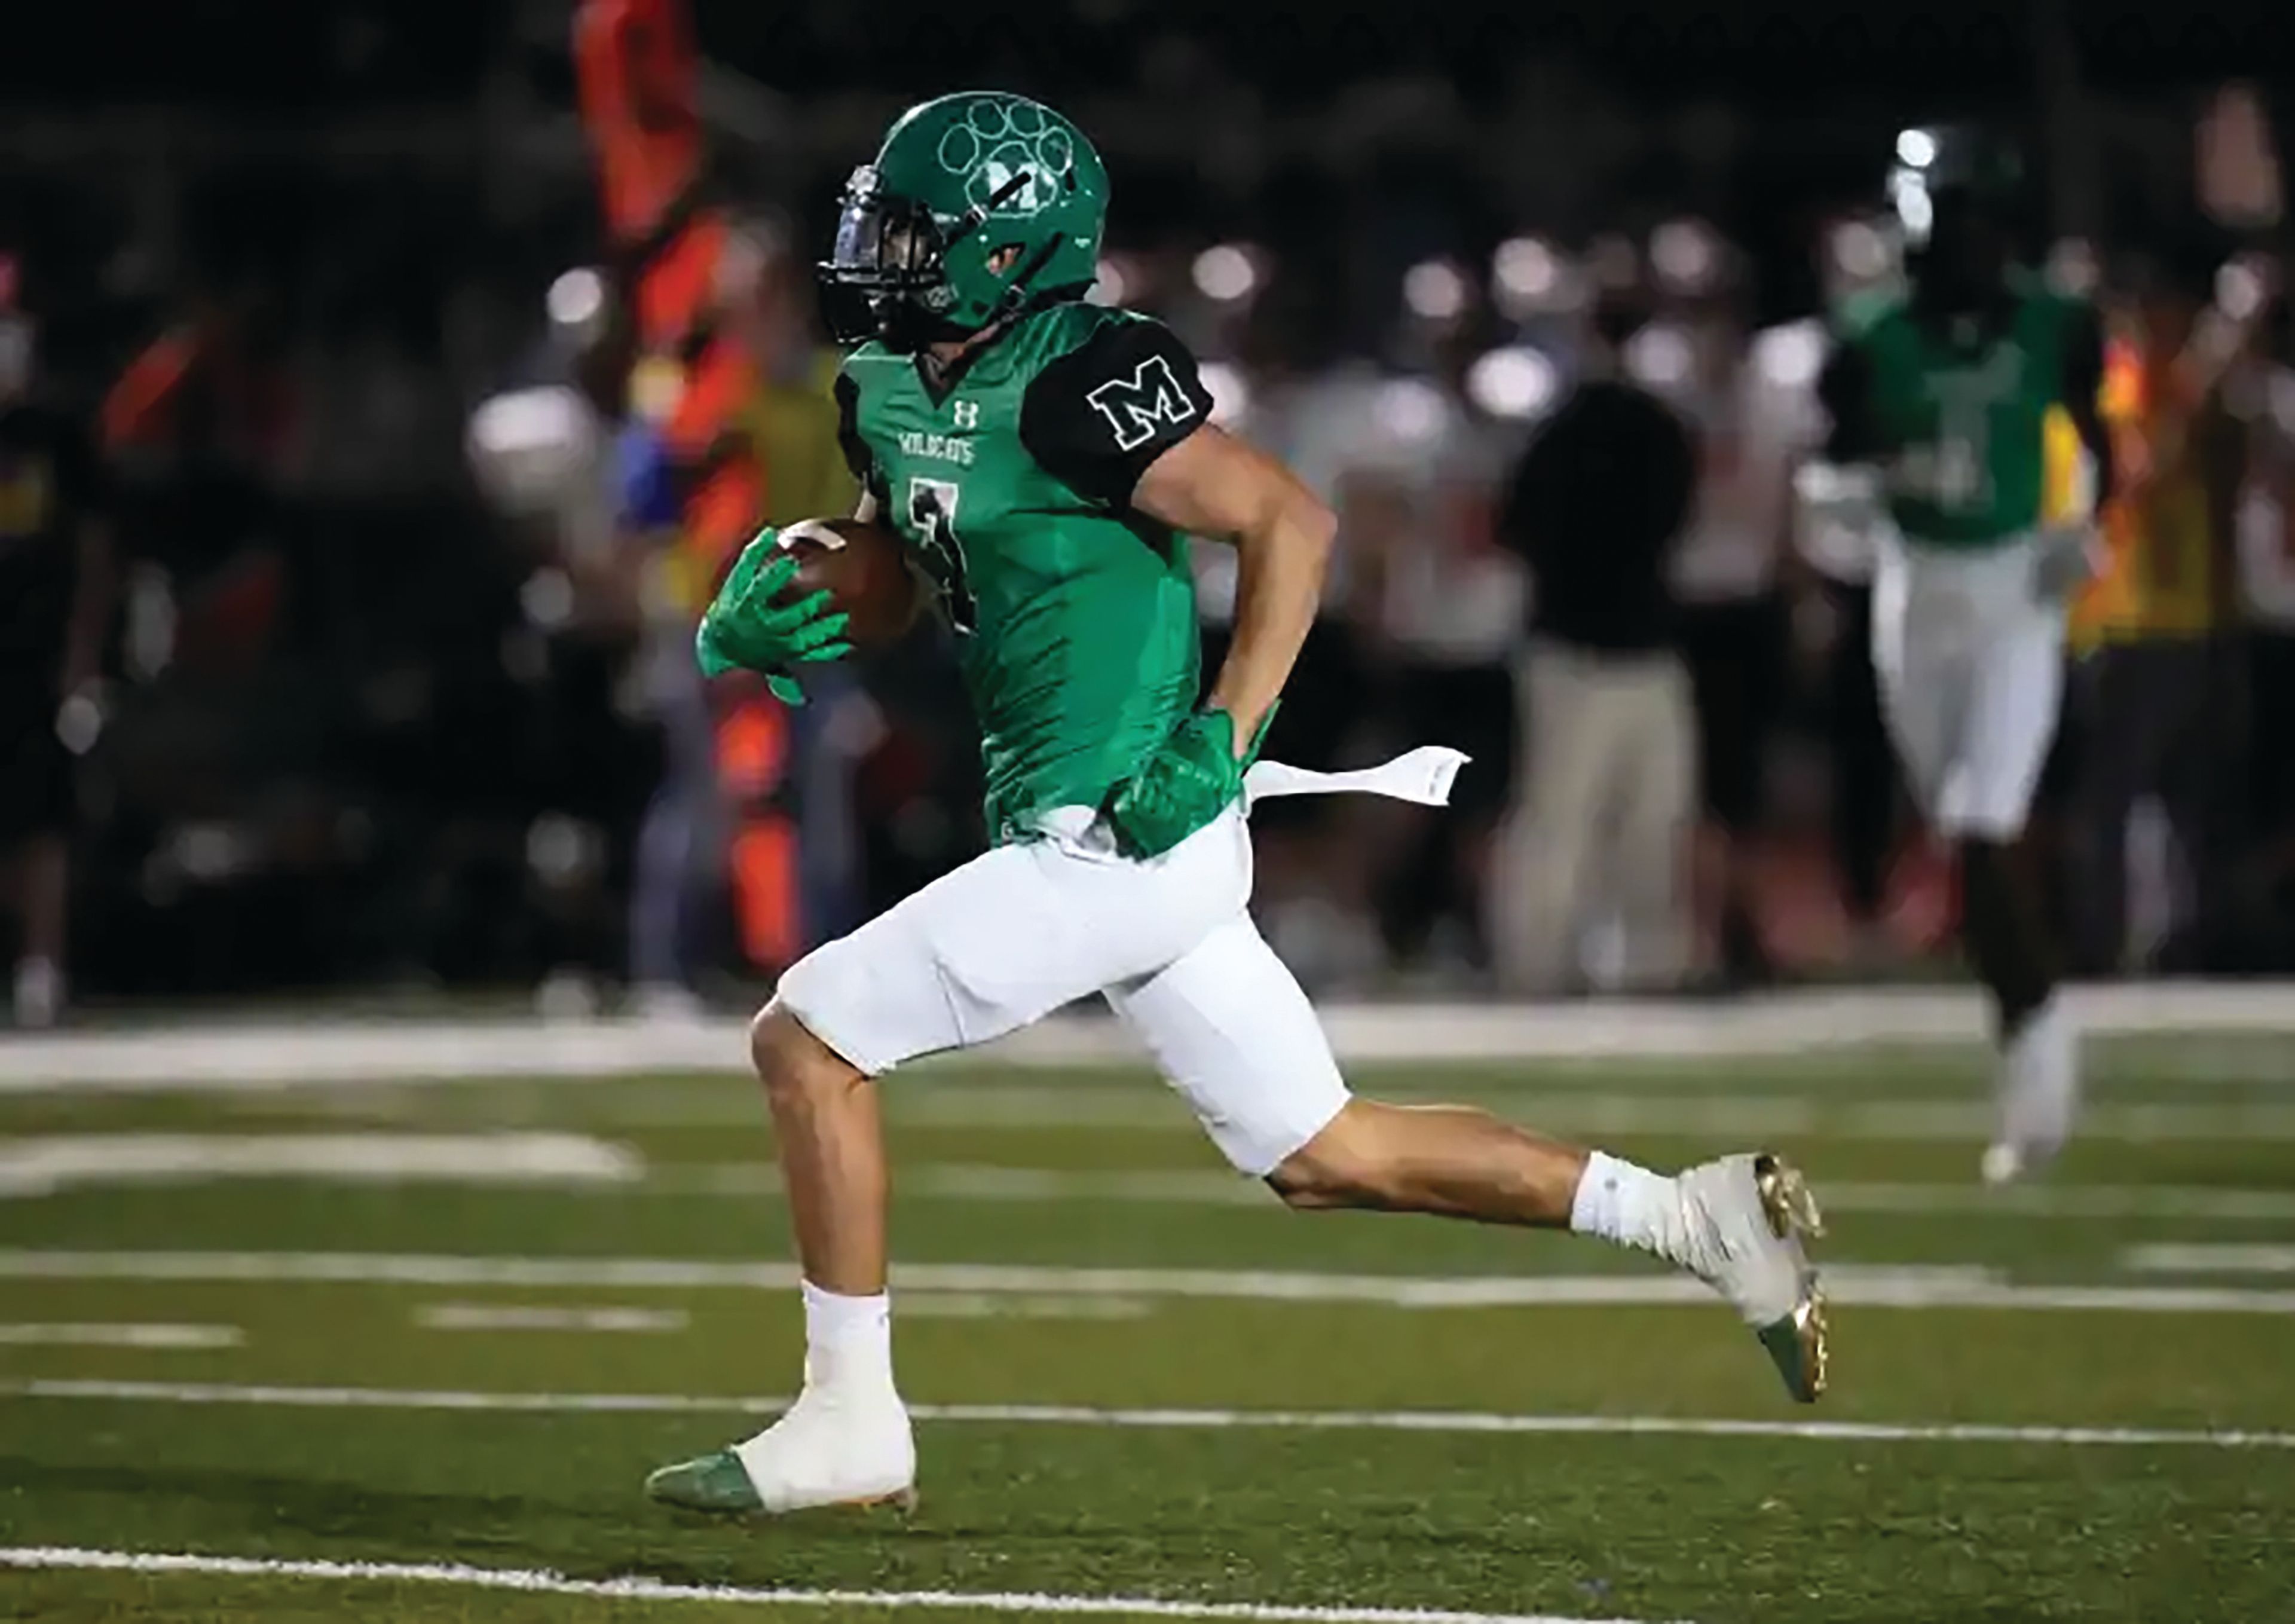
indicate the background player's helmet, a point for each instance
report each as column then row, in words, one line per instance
column 976, row 202
column 1958, row 193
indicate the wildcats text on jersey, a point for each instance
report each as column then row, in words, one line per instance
column 938, row 447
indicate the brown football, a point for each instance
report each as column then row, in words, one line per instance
column 864, row 568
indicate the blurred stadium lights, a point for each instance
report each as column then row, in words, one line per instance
column 1230, row 394
column 1916, row 149
column 1659, row 356
column 547, row 598
column 1859, row 251
column 1409, row 409
column 1788, row 357
column 1528, row 278
column 576, row 298
column 1686, row 256
column 2072, row 267
column 1113, row 283
column 1434, row 290
column 2240, row 290
column 525, row 444
column 1515, row 381
column 1226, row 272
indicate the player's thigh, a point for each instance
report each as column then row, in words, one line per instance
column 1922, row 670
column 1231, row 1030
column 1011, row 936
column 2014, row 703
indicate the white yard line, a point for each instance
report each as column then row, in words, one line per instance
column 43, row 1164
column 1949, row 1286
column 523, row 1317
column 2166, row 1259
column 1161, row 1419
column 263, row 1055
column 639, row 1590
column 1211, row 1188
column 120, row 1335
column 1589, row 1112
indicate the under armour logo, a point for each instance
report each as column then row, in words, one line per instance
column 1133, row 406
column 967, row 413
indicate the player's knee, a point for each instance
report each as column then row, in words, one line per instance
column 792, row 1063
column 1347, row 1164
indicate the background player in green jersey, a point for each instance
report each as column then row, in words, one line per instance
column 1939, row 400
column 1045, row 459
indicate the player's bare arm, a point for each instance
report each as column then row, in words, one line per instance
column 1213, row 485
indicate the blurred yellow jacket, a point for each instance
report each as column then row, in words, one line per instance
column 2159, row 578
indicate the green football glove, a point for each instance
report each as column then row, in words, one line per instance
column 1186, row 783
column 745, row 630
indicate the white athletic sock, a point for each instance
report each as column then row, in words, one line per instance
column 846, row 1338
column 1632, row 1206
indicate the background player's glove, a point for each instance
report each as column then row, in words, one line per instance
column 2065, row 558
column 745, row 630
column 1186, row 783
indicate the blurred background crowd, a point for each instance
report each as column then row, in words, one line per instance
column 385, row 387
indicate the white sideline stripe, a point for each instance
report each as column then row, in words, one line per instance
column 1950, row 1286
column 111, row 1335
column 2169, row 1259
column 1179, row 1186
column 512, row 1316
column 1583, row 1112
column 266, row 1055
column 43, row 1164
column 638, row 1589
column 1215, row 1420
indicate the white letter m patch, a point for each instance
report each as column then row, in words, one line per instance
column 1134, row 405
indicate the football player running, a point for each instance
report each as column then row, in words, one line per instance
column 1938, row 399
column 1046, row 458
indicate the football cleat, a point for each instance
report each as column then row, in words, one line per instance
column 849, row 1445
column 1751, row 1215
column 2037, row 1092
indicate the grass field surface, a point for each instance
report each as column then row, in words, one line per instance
column 407, row 1350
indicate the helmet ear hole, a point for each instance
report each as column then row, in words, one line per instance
column 1067, row 181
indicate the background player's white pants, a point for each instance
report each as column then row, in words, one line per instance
column 1601, row 820
column 1971, row 659
column 1024, row 929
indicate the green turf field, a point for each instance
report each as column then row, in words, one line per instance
column 1138, row 1377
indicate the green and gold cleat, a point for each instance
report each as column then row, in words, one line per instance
column 842, row 1443
column 715, row 1482
column 1757, row 1213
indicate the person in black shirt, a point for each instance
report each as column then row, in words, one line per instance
column 1602, row 815
column 55, row 584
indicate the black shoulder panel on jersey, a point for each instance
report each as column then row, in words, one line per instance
column 1098, row 416
column 857, row 455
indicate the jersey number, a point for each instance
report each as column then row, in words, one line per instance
column 1955, row 470
column 932, row 521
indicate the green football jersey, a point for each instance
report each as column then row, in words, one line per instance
column 1073, row 614
column 1960, row 420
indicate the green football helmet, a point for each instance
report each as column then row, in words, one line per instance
column 1963, row 166
column 976, row 203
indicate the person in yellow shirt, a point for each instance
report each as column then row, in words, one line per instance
column 2144, row 632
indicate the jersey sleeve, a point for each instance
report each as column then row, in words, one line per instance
column 858, row 457
column 1099, row 415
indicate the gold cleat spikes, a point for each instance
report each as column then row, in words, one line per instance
column 1785, row 1198
column 1800, row 1344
